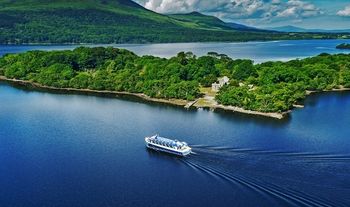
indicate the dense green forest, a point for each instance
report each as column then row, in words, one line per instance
column 116, row 21
column 266, row 87
column 276, row 86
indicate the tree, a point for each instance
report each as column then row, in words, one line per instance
column 244, row 69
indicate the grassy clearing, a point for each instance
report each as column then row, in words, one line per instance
column 207, row 91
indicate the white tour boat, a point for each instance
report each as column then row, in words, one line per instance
column 167, row 145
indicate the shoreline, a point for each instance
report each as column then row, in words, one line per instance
column 177, row 102
column 137, row 43
column 174, row 102
column 275, row 115
column 308, row 92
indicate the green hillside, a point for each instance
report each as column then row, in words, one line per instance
column 202, row 21
column 199, row 20
column 112, row 21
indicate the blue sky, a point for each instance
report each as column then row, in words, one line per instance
column 315, row 14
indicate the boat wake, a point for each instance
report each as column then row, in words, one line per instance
column 285, row 178
column 301, row 156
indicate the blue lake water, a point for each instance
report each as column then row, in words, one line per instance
column 74, row 150
column 257, row 51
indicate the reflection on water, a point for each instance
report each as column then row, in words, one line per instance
column 249, row 118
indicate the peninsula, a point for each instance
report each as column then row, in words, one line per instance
column 269, row 89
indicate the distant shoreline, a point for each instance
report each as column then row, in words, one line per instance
column 146, row 43
column 175, row 102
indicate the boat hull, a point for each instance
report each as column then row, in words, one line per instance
column 169, row 151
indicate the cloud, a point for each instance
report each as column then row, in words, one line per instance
column 299, row 9
column 248, row 10
column 182, row 6
column 345, row 12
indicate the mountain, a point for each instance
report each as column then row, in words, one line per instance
column 199, row 20
column 77, row 21
column 243, row 27
column 290, row 28
column 114, row 21
column 210, row 22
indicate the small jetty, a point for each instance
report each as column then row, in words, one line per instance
column 190, row 104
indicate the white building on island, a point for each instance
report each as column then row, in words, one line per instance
column 220, row 83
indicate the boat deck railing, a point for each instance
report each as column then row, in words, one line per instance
column 166, row 142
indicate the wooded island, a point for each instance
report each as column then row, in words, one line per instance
column 343, row 46
column 267, row 87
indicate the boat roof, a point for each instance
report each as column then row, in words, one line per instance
column 163, row 139
column 167, row 141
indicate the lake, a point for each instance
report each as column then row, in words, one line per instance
column 257, row 51
column 74, row 150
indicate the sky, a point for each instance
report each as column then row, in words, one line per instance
column 311, row 14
